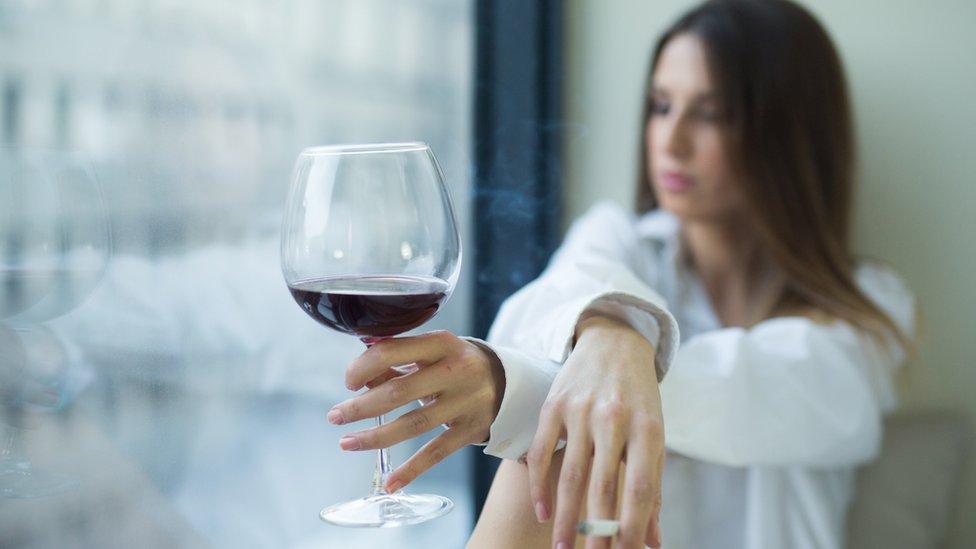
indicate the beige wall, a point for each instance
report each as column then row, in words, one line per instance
column 912, row 70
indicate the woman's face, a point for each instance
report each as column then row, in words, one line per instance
column 689, row 169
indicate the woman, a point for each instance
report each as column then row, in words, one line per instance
column 787, row 342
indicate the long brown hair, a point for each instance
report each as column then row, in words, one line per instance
column 781, row 87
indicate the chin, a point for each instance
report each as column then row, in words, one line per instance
column 688, row 210
column 683, row 206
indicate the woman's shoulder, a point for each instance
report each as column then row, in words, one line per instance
column 883, row 285
column 876, row 275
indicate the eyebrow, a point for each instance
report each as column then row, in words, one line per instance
column 700, row 98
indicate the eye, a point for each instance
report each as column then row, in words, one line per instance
column 708, row 112
column 707, row 115
column 659, row 107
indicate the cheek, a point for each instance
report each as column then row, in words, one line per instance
column 716, row 171
column 655, row 152
column 653, row 136
column 711, row 157
column 649, row 155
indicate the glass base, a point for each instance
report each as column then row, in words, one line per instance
column 27, row 484
column 387, row 510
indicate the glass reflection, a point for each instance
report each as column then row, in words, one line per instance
column 54, row 248
column 192, row 393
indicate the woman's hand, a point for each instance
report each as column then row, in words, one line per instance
column 29, row 359
column 462, row 386
column 606, row 405
column 13, row 361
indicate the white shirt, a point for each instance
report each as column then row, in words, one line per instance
column 763, row 426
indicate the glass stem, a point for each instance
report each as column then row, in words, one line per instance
column 383, row 468
column 12, row 452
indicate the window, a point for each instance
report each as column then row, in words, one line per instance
column 192, row 391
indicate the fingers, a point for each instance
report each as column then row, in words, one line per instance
column 572, row 483
column 388, row 396
column 430, row 454
column 378, row 359
column 653, row 537
column 538, row 460
column 395, row 371
column 642, row 483
column 410, row 425
column 602, row 494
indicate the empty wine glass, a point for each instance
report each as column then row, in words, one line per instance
column 370, row 248
column 54, row 248
column 54, row 237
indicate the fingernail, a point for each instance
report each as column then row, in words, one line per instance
column 335, row 417
column 395, row 486
column 541, row 513
column 562, row 545
column 349, row 443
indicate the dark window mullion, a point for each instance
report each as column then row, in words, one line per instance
column 517, row 151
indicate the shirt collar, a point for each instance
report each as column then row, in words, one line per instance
column 658, row 225
column 684, row 290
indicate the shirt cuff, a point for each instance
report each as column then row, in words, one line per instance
column 48, row 349
column 527, row 383
column 650, row 319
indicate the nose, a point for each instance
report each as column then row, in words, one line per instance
column 675, row 138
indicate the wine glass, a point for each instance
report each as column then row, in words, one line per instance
column 370, row 248
column 55, row 241
column 54, row 248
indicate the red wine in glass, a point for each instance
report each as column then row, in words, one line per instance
column 371, row 306
column 370, row 247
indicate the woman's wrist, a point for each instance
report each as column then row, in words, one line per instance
column 610, row 330
column 496, row 370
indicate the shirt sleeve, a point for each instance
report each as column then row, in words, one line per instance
column 591, row 274
column 527, row 382
column 788, row 391
column 216, row 314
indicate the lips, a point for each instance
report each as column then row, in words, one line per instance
column 675, row 182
